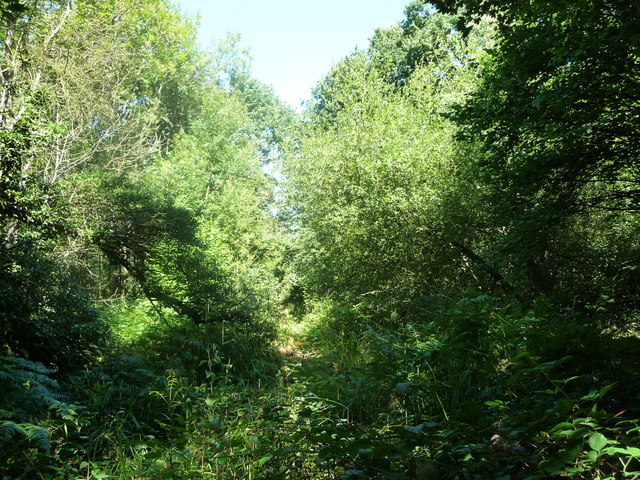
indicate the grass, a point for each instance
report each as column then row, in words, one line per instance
column 417, row 400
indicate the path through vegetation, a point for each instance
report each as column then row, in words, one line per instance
column 452, row 225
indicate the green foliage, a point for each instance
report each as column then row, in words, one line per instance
column 484, row 389
column 33, row 435
column 424, row 39
column 556, row 123
column 44, row 317
column 383, row 211
column 27, row 200
column 272, row 120
column 449, row 158
column 215, row 174
column 28, row 389
column 156, row 243
column 208, row 351
column 439, row 183
column 30, row 399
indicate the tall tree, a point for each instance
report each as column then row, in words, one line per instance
column 91, row 85
column 558, row 119
column 375, row 181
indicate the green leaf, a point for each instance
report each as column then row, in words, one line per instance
column 633, row 451
column 561, row 428
column 265, row 459
column 598, row 394
column 597, row 441
column 592, row 456
column 571, row 453
column 614, row 450
column 553, row 466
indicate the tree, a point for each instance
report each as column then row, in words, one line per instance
column 102, row 85
column 215, row 173
column 557, row 119
column 97, row 95
column 44, row 316
column 375, row 182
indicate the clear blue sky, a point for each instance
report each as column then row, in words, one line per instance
column 294, row 43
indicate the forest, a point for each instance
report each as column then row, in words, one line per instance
column 431, row 272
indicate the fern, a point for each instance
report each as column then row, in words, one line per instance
column 27, row 387
column 28, row 394
column 34, row 435
column 8, row 428
column 65, row 411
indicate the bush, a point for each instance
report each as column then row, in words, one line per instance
column 44, row 317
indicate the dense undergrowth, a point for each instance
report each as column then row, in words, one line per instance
column 431, row 273
column 481, row 390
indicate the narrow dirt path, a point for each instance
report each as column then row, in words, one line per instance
column 307, row 365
